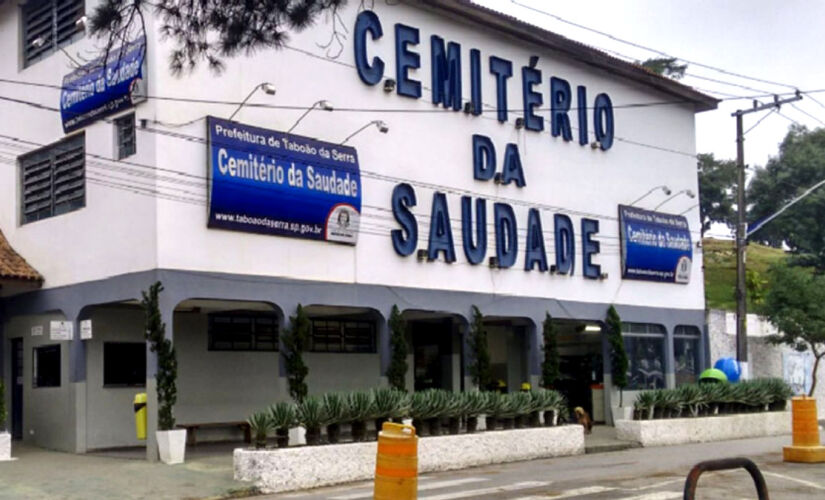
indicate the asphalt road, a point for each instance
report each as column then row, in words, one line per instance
column 638, row 474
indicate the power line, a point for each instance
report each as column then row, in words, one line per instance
column 650, row 49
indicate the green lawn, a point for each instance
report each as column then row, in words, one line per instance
column 720, row 270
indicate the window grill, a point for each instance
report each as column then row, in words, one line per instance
column 125, row 129
column 54, row 179
column 49, row 24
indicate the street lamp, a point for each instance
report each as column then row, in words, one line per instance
column 322, row 105
column 381, row 126
column 687, row 192
column 268, row 89
column 663, row 187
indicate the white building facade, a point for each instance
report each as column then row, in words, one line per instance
column 477, row 112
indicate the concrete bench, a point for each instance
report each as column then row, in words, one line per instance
column 192, row 429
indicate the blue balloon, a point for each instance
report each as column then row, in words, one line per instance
column 729, row 367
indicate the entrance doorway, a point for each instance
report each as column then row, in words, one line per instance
column 432, row 353
column 581, row 366
column 17, row 388
column 436, row 348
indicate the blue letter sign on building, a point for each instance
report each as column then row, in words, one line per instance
column 89, row 94
column 262, row 181
column 655, row 246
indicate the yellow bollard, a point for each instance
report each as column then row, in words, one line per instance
column 140, row 415
column 806, row 445
column 396, row 465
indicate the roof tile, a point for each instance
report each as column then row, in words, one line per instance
column 13, row 266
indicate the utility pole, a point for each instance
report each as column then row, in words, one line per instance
column 742, row 231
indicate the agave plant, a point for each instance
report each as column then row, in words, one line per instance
column 780, row 392
column 474, row 404
column 335, row 411
column 312, row 416
column 644, row 406
column 387, row 403
column 439, row 403
column 715, row 395
column 521, row 404
column 260, row 424
column 360, row 406
column 455, row 410
column 497, row 406
column 283, row 416
column 692, row 398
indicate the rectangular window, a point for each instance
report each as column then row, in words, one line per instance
column 342, row 336
column 46, row 366
column 125, row 131
column 645, row 346
column 49, row 24
column 686, row 354
column 124, row 364
column 243, row 332
column 53, row 179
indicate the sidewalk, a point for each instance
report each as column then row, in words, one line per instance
column 207, row 473
column 43, row 474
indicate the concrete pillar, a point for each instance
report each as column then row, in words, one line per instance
column 77, row 383
column 383, row 334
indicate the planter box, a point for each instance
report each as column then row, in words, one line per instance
column 5, row 446
column 171, row 446
column 290, row 469
column 671, row 431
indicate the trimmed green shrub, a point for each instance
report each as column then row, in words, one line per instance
column 397, row 370
column 167, row 372
column 550, row 367
column 618, row 355
column 295, row 340
column 480, row 369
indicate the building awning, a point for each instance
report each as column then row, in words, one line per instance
column 14, row 270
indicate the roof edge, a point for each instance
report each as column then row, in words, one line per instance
column 467, row 10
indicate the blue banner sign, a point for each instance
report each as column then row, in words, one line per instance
column 92, row 92
column 655, row 246
column 262, row 181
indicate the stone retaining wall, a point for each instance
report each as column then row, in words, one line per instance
column 279, row 470
column 670, row 431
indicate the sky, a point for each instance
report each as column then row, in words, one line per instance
column 780, row 41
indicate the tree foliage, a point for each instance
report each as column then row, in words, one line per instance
column 618, row 355
column 717, row 179
column 397, row 371
column 799, row 165
column 167, row 372
column 480, row 364
column 295, row 343
column 665, row 66
column 550, row 367
column 794, row 305
column 209, row 30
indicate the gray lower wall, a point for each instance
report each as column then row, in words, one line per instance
column 110, row 420
column 228, row 386
column 48, row 412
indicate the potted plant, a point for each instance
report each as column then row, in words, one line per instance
column 494, row 409
column 421, row 411
column 618, row 363
column 439, row 406
column 335, row 410
column 521, row 406
column 311, row 415
column 397, row 369
column 283, row 417
column 474, row 404
column 171, row 441
column 387, row 403
column 5, row 436
column 359, row 404
column 456, row 408
column 260, row 424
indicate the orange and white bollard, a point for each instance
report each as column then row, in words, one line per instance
column 806, row 444
column 396, row 465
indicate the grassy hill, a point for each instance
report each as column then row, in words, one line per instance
column 720, row 270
